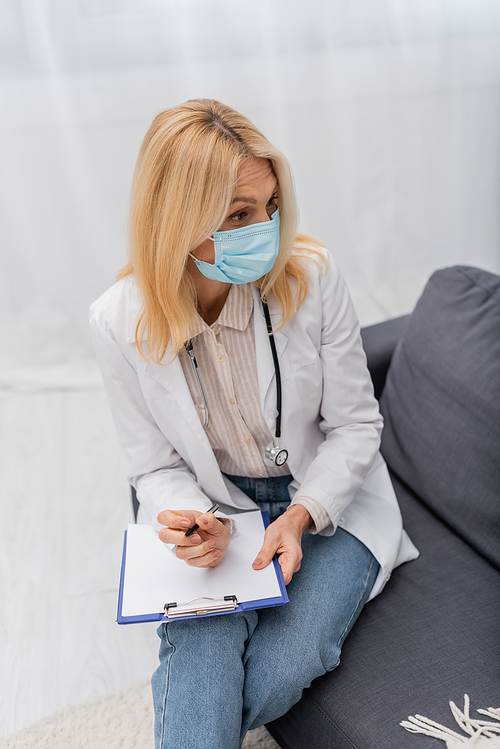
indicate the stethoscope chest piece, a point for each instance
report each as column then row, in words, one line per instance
column 275, row 455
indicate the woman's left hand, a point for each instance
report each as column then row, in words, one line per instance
column 283, row 537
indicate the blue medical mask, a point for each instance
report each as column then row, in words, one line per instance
column 243, row 255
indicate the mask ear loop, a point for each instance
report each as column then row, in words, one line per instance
column 195, row 258
column 190, row 254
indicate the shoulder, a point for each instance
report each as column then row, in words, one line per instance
column 321, row 267
column 116, row 311
column 327, row 305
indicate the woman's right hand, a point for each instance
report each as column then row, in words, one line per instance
column 203, row 548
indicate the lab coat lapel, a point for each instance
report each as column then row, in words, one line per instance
column 264, row 356
column 208, row 473
column 171, row 377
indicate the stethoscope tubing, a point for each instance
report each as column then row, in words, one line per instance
column 276, row 368
column 189, row 348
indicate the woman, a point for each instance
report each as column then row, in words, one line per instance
column 213, row 235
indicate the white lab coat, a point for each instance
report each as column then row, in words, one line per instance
column 330, row 419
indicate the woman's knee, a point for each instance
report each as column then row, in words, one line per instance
column 272, row 689
column 223, row 635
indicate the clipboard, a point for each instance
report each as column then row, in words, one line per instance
column 155, row 586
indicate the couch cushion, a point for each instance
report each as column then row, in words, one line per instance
column 431, row 636
column 441, row 404
column 379, row 342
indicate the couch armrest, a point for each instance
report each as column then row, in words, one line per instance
column 379, row 342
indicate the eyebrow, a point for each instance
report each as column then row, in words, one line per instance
column 243, row 199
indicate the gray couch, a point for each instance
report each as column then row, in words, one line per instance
column 434, row 633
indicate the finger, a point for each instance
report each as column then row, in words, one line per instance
column 210, row 524
column 169, row 536
column 178, row 518
column 191, row 552
column 265, row 555
column 211, row 559
column 289, row 565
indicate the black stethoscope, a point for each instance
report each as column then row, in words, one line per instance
column 274, row 455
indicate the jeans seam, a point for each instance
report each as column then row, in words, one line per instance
column 167, row 686
column 355, row 612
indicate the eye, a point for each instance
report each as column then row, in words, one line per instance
column 271, row 205
column 238, row 216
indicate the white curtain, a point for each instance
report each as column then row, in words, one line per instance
column 389, row 111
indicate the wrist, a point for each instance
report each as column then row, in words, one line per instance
column 301, row 516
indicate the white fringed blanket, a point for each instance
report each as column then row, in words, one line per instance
column 481, row 734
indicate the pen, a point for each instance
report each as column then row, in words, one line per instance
column 195, row 527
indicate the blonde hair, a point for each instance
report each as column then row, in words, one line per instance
column 184, row 181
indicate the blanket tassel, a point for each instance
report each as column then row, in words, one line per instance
column 483, row 734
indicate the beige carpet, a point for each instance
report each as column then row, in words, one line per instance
column 120, row 721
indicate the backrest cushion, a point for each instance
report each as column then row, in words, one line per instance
column 441, row 404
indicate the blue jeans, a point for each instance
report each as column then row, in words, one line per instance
column 224, row 675
column 270, row 494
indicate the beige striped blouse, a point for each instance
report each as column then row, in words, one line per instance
column 237, row 430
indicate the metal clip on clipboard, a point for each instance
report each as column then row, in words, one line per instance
column 228, row 603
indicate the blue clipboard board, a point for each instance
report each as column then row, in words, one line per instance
column 203, row 610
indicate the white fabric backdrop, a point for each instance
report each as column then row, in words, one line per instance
column 389, row 111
